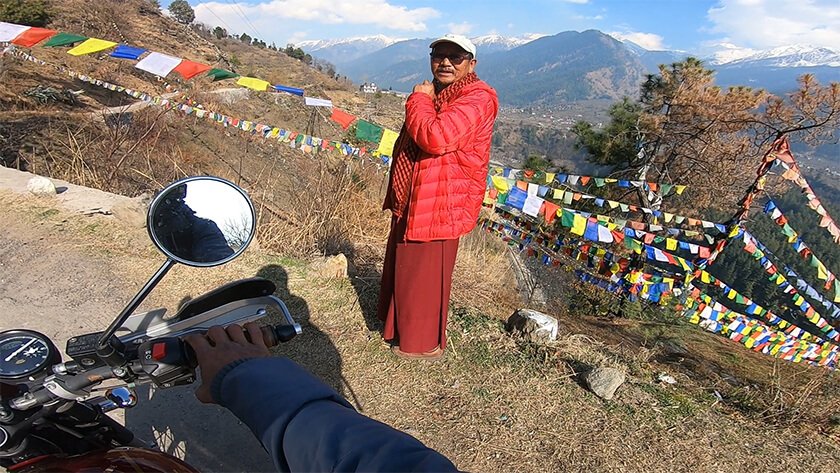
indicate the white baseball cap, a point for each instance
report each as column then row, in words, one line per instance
column 460, row 40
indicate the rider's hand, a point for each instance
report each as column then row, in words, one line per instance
column 220, row 347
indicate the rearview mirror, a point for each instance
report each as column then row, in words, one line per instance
column 202, row 221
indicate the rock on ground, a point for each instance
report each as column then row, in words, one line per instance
column 604, row 381
column 534, row 326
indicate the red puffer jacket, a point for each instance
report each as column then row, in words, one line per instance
column 450, row 178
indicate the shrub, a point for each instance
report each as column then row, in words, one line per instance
column 25, row 12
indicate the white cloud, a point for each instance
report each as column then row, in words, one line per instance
column 649, row 41
column 579, row 2
column 723, row 52
column 584, row 17
column 274, row 17
column 463, row 28
column 765, row 24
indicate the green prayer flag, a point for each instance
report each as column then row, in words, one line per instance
column 666, row 188
column 599, row 181
column 567, row 219
column 219, row 74
column 367, row 131
column 64, row 39
column 739, row 298
column 632, row 244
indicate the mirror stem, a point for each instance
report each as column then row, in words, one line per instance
column 109, row 347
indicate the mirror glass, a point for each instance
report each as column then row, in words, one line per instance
column 202, row 221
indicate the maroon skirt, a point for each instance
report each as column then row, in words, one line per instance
column 414, row 293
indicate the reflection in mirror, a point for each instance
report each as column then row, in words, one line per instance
column 202, row 221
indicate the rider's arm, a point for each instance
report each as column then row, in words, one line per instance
column 306, row 426
column 302, row 423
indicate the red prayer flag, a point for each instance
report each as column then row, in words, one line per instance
column 189, row 69
column 342, row 118
column 33, row 36
column 550, row 211
column 584, row 180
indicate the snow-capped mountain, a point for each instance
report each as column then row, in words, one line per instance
column 790, row 56
column 493, row 42
column 340, row 51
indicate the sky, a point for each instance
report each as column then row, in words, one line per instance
column 738, row 27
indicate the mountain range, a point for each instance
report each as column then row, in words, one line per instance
column 568, row 66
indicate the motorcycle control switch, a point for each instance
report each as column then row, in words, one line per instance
column 167, row 361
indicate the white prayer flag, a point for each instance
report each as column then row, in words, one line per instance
column 158, row 64
column 604, row 234
column 532, row 205
column 533, row 189
column 10, row 31
column 313, row 102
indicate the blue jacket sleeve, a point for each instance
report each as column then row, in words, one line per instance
column 306, row 426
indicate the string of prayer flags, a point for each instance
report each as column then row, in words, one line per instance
column 755, row 335
column 64, row 39
column 220, row 74
column 793, row 174
column 90, row 46
column 342, row 118
column 367, row 131
column 313, row 102
column 124, row 51
column 33, row 36
column 575, row 179
column 10, row 31
column 751, row 247
column 158, row 64
column 289, row 90
column 190, row 69
column 386, row 144
column 801, row 284
column 752, row 308
column 253, row 83
column 799, row 246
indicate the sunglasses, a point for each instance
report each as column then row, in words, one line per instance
column 455, row 59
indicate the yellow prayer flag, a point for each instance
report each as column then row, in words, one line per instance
column 558, row 194
column 733, row 232
column 578, row 225
column 610, row 180
column 704, row 276
column 670, row 244
column 386, row 144
column 668, row 217
column 680, row 190
column 500, row 183
column 253, row 83
column 731, row 295
column 822, row 272
column 549, row 177
column 90, row 46
column 613, row 204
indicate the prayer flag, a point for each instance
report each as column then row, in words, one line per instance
column 342, row 118
column 253, row 83
column 190, row 69
column 591, row 230
column 290, row 90
column 386, row 144
column 158, row 64
column 220, row 74
column 367, row 131
column 64, row 39
column 516, row 198
column 10, row 31
column 578, row 224
column 33, row 36
column 567, row 218
column 90, row 46
column 550, row 211
column 533, row 205
column 313, row 102
column 124, row 51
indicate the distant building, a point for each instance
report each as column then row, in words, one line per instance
column 369, row 88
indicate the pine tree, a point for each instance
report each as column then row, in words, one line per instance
column 182, row 11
